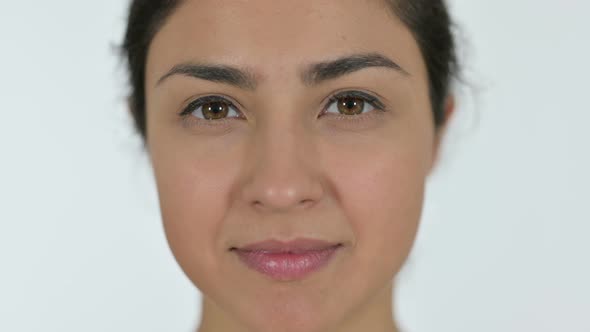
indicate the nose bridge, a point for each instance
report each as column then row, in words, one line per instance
column 281, row 175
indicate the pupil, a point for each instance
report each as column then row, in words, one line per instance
column 216, row 108
column 350, row 103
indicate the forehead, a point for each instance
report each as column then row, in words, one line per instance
column 279, row 35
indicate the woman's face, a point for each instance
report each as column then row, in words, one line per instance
column 280, row 159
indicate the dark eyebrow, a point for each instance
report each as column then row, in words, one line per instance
column 324, row 71
column 240, row 78
column 313, row 75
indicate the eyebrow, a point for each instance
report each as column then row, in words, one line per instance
column 314, row 74
column 329, row 70
column 240, row 78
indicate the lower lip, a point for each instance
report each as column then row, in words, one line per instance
column 287, row 266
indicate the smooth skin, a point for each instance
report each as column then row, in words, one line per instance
column 284, row 163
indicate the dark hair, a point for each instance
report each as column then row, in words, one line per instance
column 428, row 20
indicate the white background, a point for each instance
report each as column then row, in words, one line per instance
column 504, row 241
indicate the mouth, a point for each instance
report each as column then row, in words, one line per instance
column 287, row 261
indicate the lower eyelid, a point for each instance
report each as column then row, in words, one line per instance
column 186, row 112
column 375, row 104
column 191, row 121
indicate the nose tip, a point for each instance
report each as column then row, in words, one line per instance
column 270, row 193
column 283, row 198
column 282, row 184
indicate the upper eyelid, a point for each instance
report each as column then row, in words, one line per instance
column 191, row 102
column 368, row 97
column 353, row 93
column 327, row 101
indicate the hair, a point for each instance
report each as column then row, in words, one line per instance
column 428, row 20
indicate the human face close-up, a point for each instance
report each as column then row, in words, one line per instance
column 316, row 123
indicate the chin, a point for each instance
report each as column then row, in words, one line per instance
column 285, row 310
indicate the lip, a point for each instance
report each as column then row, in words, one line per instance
column 295, row 246
column 287, row 261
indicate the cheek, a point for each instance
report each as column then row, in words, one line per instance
column 192, row 197
column 382, row 193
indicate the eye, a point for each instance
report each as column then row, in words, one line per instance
column 353, row 104
column 211, row 108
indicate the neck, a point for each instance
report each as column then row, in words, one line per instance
column 375, row 316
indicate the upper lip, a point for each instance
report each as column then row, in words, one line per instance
column 297, row 245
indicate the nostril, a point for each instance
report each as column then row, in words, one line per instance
column 306, row 203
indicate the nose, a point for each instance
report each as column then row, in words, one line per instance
column 283, row 172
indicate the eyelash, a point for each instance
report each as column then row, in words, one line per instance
column 374, row 102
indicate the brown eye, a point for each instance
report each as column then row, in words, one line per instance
column 211, row 108
column 215, row 110
column 353, row 104
column 350, row 105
